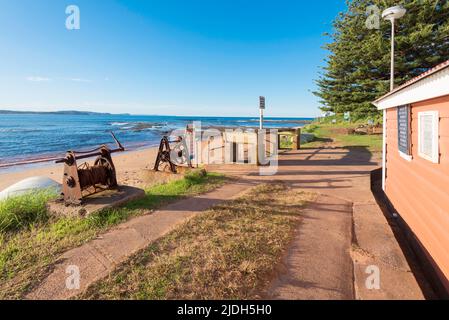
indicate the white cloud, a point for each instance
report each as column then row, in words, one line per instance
column 80, row 80
column 37, row 79
column 45, row 79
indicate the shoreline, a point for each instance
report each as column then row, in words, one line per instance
column 23, row 152
column 49, row 159
column 129, row 165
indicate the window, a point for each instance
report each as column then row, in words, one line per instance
column 404, row 144
column 428, row 136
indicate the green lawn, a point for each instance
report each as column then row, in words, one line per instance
column 336, row 135
column 31, row 240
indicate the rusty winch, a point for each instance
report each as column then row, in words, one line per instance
column 172, row 154
column 81, row 181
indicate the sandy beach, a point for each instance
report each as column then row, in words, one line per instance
column 129, row 166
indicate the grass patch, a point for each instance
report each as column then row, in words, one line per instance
column 229, row 252
column 23, row 211
column 355, row 118
column 27, row 253
column 286, row 143
column 372, row 142
column 336, row 134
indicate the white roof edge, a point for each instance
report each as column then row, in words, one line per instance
column 433, row 86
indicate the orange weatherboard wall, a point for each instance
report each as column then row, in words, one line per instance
column 419, row 189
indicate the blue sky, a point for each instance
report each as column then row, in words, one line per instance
column 166, row 57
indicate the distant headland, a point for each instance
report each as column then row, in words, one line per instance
column 67, row 112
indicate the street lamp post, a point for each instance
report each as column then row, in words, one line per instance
column 392, row 14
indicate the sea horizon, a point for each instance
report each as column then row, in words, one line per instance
column 29, row 136
column 88, row 112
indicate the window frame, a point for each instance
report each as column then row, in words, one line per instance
column 435, row 158
column 408, row 157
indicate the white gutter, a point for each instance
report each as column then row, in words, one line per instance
column 433, row 86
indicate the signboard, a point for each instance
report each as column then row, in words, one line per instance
column 262, row 103
column 404, row 129
column 347, row 116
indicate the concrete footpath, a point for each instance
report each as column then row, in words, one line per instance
column 344, row 248
column 317, row 264
column 357, row 231
column 97, row 258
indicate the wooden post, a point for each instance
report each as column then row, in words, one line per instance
column 297, row 139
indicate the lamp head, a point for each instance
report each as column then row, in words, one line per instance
column 394, row 13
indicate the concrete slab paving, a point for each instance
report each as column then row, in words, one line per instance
column 97, row 202
column 323, row 240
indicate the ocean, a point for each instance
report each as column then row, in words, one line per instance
column 35, row 136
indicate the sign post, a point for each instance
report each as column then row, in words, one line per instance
column 262, row 108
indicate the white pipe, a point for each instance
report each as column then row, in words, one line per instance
column 384, row 151
column 384, row 144
column 261, row 119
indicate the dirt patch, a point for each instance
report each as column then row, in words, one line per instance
column 338, row 131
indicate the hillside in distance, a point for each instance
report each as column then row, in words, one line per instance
column 67, row 112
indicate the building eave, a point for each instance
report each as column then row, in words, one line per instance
column 431, row 84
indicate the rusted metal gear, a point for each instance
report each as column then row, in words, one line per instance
column 172, row 157
column 84, row 180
